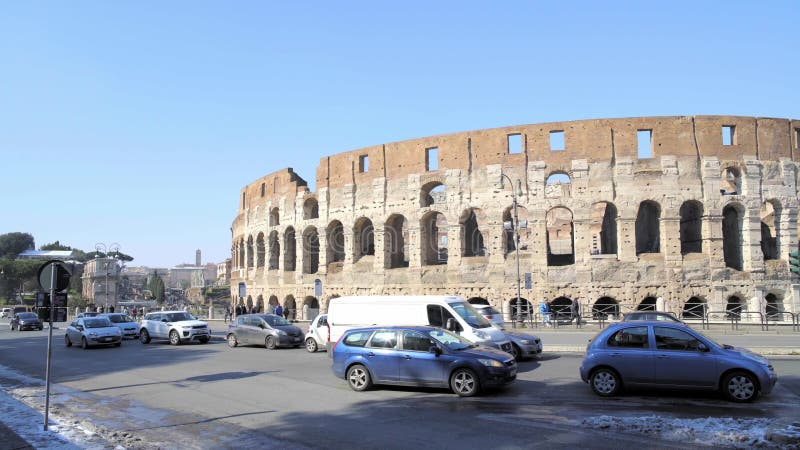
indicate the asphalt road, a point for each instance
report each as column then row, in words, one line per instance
column 212, row 396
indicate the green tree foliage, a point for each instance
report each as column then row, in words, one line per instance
column 12, row 244
column 55, row 246
column 18, row 274
column 156, row 285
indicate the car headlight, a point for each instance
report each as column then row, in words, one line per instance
column 281, row 332
column 491, row 362
column 92, row 334
column 526, row 342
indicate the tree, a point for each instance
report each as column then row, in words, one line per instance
column 18, row 274
column 12, row 244
column 156, row 285
column 55, row 246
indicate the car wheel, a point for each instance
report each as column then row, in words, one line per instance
column 269, row 343
column 311, row 345
column 144, row 337
column 67, row 341
column 174, row 338
column 117, row 344
column 358, row 378
column 203, row 340
column 464, row 382
column 232, row 342
column 605, row 382
column 740, row 387
column 516, row 352
column 84, row 343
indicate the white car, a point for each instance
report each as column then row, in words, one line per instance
column 5, row 313
column 126, row 324
column 317, row 333
column 91, row 332
column 177, row 326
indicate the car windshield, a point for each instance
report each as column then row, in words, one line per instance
column 487, row 310
column 27, row 316
column 450, row 340
column 120, row 318
column 470, row 315
column 97, row 322
column 276, row 320
column 179, row 317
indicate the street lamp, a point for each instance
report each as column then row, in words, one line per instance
column 515, row 227
column 112, row 248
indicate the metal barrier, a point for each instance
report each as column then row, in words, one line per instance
column 735, row 317
column 777, row 316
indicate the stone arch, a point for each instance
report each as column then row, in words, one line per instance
column 527, row 308
column 432, row 193
column 363, row 239
column 478, row 301
column 395, row 242
column 273, row 301
column 730, row 181
column 648, row 228
column 241, row 253
column 249, row 251
column 433, row 239
column 508, row 229
column 310, row 208
column 691, row 227
column 310, row 307
column 328, row 301
column 734, row 307
column 558, row 184
column 560, row 237
column 289, row 250
column 249, row 303
column 732, row 223
column 260, row 250
column 603, row 228
column 274, row 217
column 335, row 238
column 290, row 307
column 647, row 304
column 770, row 214
column 472, row 243
column 694, row 308
column 773, row 307
column 604, row 307
column 560, row 308
column 274, row 251
column 259, row 307
column 310, row 250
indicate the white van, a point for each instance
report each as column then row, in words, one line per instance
column 345, row 313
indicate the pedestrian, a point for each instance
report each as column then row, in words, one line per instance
column 286, row 313
column 227, row 313
column 305, row 311
column 111, row 309
column 279, row 310
column 133, row 312
column 575, row 312
column 544, row 309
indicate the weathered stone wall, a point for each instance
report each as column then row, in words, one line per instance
column 600, row 157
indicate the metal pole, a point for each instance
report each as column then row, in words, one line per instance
column 516, row 251
column 49, row 344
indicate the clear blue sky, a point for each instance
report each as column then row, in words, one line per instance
column 139, row 122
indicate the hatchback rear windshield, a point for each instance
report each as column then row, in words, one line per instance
column 120, row 318
column 97, row 322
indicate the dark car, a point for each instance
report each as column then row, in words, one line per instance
column 26, row 321
column 652, row 316
column 270, row 330
column 419, row 356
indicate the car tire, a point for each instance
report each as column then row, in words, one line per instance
column 740, row 387
column 144, row 337
column 84, row 343
column 174, row 337
column 311, row 345
column 67, row 341
column 516, row 352
column 203, row 340
column 269, row 343
column 232, row 342
column 118, row 344
column 464, row 382
column 605, row 382
column 358, row 378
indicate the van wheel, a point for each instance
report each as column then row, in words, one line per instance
column 464, row 382
column 232, row 342
column 269, row 343
column 174, row 338
column 144, row 336
column 605, row 382
column 740, row 387
column 358, row 378
column 311, row 345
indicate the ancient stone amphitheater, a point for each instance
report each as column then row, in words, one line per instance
column 692, row 214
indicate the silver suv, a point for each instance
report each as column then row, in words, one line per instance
column 177, row 326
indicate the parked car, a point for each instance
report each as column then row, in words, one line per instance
column 317, row 333
column 491, row 314
column 270, row 330
column 177, row 326
column 26, row 321
column 672, row 355
column 524, row 346
column 5, row 312
column 126, row 324
column 650, row 316
column 419, row 356
column 92, row 331
column 88, row 314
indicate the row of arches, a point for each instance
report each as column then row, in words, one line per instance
column 294, row 308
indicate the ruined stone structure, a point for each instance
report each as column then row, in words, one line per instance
column 698, row 212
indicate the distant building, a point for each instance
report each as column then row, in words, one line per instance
column 101, row 277
column 224, row 273
column 46, row 254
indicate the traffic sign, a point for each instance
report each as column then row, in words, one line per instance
column 61, row 279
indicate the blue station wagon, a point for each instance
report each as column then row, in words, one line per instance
column 419, row 356
column 672, row 355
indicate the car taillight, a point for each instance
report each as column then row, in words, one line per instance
column 489, row 316
column 329, row 331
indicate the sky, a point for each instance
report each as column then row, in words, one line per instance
column 138, row 123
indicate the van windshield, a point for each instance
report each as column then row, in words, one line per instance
column 470, row 315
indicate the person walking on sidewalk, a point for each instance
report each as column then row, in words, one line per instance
column 279, row 310
column 544, row 308
column 575, row 311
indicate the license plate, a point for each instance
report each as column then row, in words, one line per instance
column 296, row 339
column 512, row 372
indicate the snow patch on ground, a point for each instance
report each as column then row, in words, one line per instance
column 728, row 432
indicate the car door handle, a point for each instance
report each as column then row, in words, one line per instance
column 663, row 356
column 616, row 354
column 370, row 354
column 407, row 356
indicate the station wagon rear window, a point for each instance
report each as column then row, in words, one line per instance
column 357, row 339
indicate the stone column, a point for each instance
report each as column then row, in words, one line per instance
column 626, row 239
column 380, row 245
column 454, row 244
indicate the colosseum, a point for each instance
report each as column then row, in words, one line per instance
column 690, row 214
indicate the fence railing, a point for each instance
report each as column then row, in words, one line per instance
column 778, row 317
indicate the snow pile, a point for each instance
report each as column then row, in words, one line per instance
column 729, row 432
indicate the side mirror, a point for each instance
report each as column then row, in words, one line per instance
column 435, row 350
column 450, row 325
column 702, row 347
column 164, row 320
column 261, row 325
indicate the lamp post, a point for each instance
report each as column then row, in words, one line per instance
column 111, row 248
column 515, row 227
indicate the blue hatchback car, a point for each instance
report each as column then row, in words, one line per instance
column 419, row 356
column 672, row 355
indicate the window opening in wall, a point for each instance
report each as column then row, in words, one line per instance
column 274, row 185
column 603, row 226
column 432, row 158
column 290, row 246
column 769, row 231
column 263, row 189
column 432, row 194
column 560, row 237
column 691, row 227
column 243, row 199
column 396, row 236
column 557, row 185
column 644, row 138
column 731, row 182
column 472, row 239
column 648, row 220
column 728, row 135
column 732, row 237
column 797, row 138
column 514, row 143
column 556, row 140
column 363, row 163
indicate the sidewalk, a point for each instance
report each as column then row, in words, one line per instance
column 11, row 440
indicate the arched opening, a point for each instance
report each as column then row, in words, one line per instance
column 731, row 182
column 773, row 307
column 274, row 217
column 310, row 307
column 274, row 251
column 560, row 237
column 603, row 229
column 250, row 251
column 290, row 250
column 477, row 301
column 691, row 227
column 732, row 237
column 648, row 304
column 364, row 239
column 272, row 303
column 395, row 237
column 509, row 226
column 260, row 250
column 241, row 253
column 433, row 242
column 605, row 307
column 561, row 308
column 249, row 303
column 471, row 236
column 525, row 308
column 558, row 184
column 310, row 250
column 310, row 209
column 734, row 307
column 289, row 308
column 694, row 308
column 259, row 304
column 648, row 232
column 335, row 247
column 432, row 193
column 770, row 228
